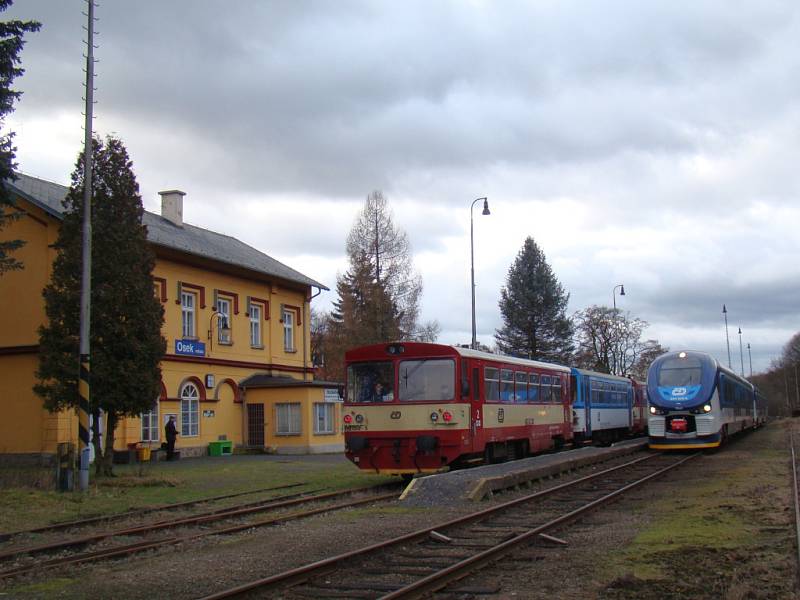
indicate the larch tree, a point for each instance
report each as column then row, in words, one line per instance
column 11, row 42
column 533, row 306
column 378, row 296
column 126, row 317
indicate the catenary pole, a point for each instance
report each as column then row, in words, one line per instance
column 727, row 339
column 84, row 394
column 741, row 351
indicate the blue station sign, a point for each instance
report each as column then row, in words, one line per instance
column 190, row 347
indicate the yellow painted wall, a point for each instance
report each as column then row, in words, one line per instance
column 307, row 439
column 32, row 429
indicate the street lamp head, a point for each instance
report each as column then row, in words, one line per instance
column 740, row 331
column 724, row 310
column 486, row 207
column 621, row 290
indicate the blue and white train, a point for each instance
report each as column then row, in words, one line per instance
column 605, row 408
column 694, row 402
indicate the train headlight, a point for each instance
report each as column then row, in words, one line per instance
column 653, row 410
column 707, row 408
column 434, row 417
column 359, row 418
column 348, row 419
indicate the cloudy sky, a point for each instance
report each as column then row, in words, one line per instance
column 652, row 144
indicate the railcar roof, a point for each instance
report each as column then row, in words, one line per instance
column 470, row 353
column 588, row 373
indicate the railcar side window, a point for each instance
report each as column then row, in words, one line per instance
column 370, row 382
column 521, row 388
column 533, row 388
column 555, row 395
column 506, row 385
column 544, row 395
column 491, row 384
column 427, row 380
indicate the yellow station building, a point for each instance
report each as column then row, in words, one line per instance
column 250, row 383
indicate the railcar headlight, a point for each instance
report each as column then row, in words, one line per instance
column 434, row 416
column 359, row 418
column 706, row 408
column 653, row 410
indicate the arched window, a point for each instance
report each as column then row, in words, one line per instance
column 190, row 410
column 150, row 425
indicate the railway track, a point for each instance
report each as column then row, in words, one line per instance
column 433, row 559
column 77, row 524
column 330, row 502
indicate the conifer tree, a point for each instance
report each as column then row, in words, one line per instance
column 533, row 305
column 11, row 42
column 378, row 296
column 126, row 316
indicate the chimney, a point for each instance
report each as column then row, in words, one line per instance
column 172, row 206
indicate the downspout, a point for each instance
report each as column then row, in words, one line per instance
column 306, row 349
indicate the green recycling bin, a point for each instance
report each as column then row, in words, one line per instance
column 220, row 448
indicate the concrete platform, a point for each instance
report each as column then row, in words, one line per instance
column 471, row 485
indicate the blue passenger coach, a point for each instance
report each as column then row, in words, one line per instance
column 602, row 407
column 694, row 402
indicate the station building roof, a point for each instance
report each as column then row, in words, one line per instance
column 184, row 238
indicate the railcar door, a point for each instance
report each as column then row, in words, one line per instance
column 587, row 404
column 476, row 405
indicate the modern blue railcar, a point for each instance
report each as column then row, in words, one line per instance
column 602, row 407
column 694, row 402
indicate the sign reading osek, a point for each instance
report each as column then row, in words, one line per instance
column 190, row 347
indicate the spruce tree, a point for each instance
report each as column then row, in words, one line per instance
column 11, row 42
column 126, row 316
column 533, row 305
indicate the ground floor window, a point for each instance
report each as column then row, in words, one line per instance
column 287, row 419
column 190, row 410
column 323, row 417
column 150, row 426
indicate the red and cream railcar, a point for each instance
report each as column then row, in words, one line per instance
column 419, row 408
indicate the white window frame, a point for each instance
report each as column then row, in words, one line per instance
column 224, row 310
column 289, row 423
column 288, row 331
column 188, row 318
column 324, row 418
column 255, row 326
column 190, row 410
column 150, row 424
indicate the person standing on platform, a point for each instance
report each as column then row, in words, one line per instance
column 172, row 433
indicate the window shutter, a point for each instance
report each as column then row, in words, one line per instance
column 283, row 308
column 178, row 299
column 215, row 306
column 247, row 314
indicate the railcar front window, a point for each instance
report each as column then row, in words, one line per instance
column 370, row 382
column 680, row 372
column 427, row 380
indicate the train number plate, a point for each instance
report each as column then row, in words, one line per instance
column 354, row 427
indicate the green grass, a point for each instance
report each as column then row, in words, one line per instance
column 710, row 515
column 165, row 483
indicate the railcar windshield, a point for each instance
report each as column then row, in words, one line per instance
column 370, row 382
column 427, row 380
column 680, row 372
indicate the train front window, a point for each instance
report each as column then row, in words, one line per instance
column 370, row 382
column 427, row 380
column 680, row 372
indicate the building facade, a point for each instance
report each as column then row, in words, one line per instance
column 236, row 322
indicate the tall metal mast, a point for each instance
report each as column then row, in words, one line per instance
column 86, row 274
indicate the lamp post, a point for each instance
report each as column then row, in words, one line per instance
column 614, row 294
column 727, row 339
column 222, row 323
column 741, row 352
column 750, row 359
column 472, row 262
